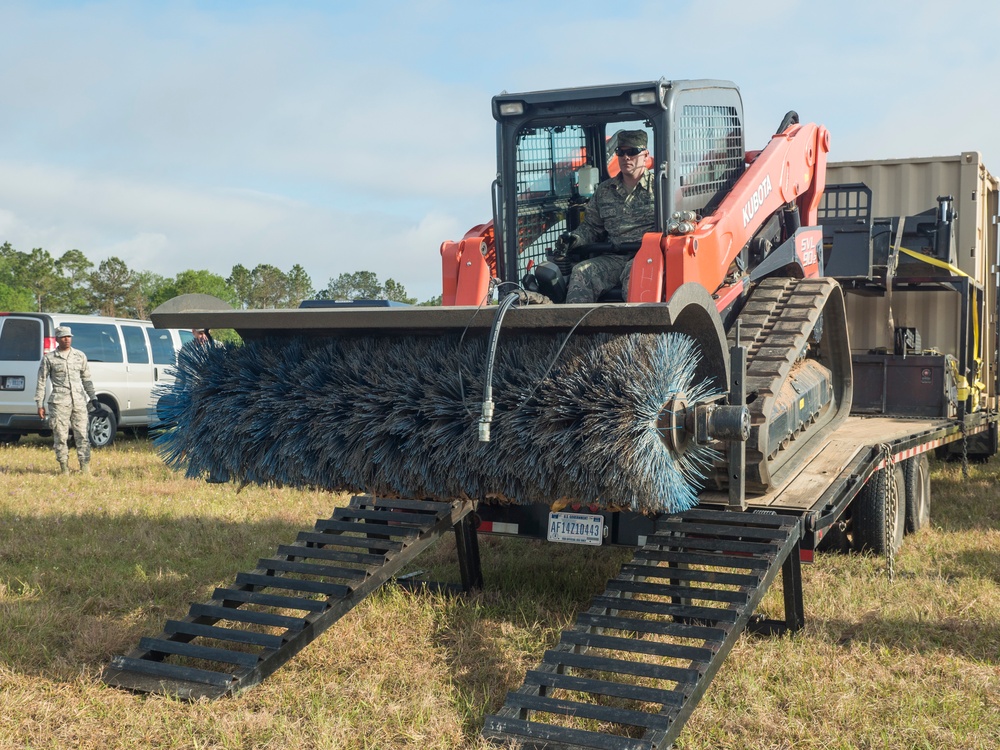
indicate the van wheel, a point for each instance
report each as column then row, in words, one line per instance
column 918, row 492
column 870, row 508
column 8, row 438
column 102, row 427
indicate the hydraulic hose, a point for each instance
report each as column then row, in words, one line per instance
column 491, row 350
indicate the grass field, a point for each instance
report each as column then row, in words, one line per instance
column 88, row 565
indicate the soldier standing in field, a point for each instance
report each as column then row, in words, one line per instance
column 622, row 209
column 72, row 389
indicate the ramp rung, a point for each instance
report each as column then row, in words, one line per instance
column 172, row 671
column 708, row 543
column 636, row 646
column 223, row 634
column 709, row 560
column 234, row 614
column 194, row 651
column 537, row 678
column 312, row 569
column 358, row 527
column 588, row 711
column 686, row 574
column 635, row 625
column 269, row 600
column 428, row 506
column 323, row 553
column 677, row 629
column 339, row 540
column 566, row 737
column 335, row 590
column 620, row 666
column 707, row 529
column 387, row 517
column 694, row 593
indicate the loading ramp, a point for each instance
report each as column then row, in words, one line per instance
column 245, row 632
column 684, row 599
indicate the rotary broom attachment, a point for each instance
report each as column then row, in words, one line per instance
column 579, row 419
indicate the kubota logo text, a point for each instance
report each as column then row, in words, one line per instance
column 756, row 200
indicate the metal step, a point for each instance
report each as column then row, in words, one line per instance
column 636, row 663
column 271, row 613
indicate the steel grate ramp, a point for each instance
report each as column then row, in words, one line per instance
column 269, row 614
column 634, row 666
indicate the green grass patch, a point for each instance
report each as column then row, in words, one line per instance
column 88, row 565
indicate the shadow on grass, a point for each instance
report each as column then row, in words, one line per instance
column 532, row 591
column 77, row 589
column 971, row 640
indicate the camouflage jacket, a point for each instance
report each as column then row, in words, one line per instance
column 70, row 375
column 621, row 217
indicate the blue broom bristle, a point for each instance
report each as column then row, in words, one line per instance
column 398, row 416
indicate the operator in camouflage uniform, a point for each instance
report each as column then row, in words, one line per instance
column 72, row 389
column 622, row 209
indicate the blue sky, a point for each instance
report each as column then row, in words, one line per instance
column 350, row 136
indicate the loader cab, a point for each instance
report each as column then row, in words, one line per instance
column 554, row 147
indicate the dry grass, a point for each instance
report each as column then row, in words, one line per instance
column 89, row 565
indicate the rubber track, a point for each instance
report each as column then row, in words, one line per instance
column 775, row 326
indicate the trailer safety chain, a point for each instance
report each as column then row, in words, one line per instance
column 891, row 506
column 965, row 451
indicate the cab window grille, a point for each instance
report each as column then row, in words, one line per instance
column 547, row 158
column 709, row 152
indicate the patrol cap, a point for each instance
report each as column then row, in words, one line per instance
column 63, row 331
column 632, row 139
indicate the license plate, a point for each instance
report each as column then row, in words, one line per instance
column 576, row 528
column 12, row 382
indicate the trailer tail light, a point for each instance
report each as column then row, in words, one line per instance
column 50, row 344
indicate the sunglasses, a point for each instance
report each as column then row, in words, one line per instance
column 629, row 151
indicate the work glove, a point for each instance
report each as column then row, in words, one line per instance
column 564, row 244
column 94, row 404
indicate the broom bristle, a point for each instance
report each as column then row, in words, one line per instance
column 398, row 416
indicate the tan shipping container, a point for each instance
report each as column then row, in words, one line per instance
column 904, row 187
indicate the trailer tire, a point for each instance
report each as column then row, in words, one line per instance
column 869, row 512
column 917, row 472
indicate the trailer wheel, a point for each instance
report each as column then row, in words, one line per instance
column 869, row 512
column 918, row 492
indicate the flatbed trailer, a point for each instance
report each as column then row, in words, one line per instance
column 818, row 493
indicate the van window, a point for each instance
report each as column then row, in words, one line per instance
column 99, row 341
column 21, row 340
column 162, row 346
column 135, row 345
column 186, row 336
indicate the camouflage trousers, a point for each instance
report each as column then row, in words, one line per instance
column 62, row 417
column 591, row 278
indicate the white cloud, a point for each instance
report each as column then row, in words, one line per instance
column 358, row 136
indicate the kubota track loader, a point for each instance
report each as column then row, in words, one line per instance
column 471, row 401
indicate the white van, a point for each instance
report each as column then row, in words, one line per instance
column 128, row 359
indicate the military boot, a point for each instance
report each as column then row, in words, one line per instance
column 64, row 467
column 85, row 467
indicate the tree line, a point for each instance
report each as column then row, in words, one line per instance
column 37, row 281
